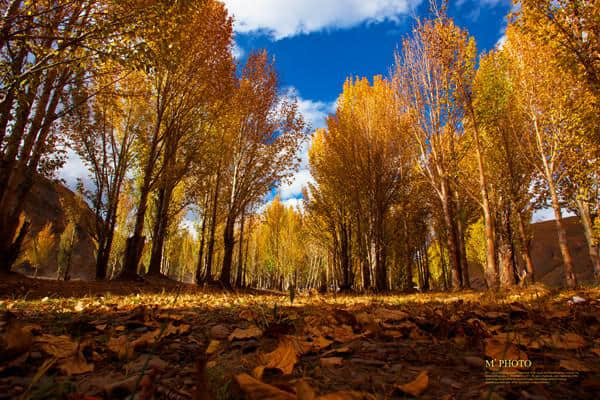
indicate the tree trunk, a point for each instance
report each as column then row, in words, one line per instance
column 426, row 273
column 213, row 227
column 562, row 237
column 161, row 224
column 460, row 230
column 380, row 256
column 586, row 221
column 199, row 267
column 135, row 243
column 453, row 254
column 526, row 245
column 228, row 246
column 240, row 265
column 344, row 257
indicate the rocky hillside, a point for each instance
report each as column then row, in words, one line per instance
column 546, row 253
column 46, row 204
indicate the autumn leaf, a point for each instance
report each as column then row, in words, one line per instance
column 257, row 390
column 574, row 365
column 304, row 391
column 386, row 314
column 57, row 346
column 347, row 395
column 567, row 341
column 284, row 357
column 121, row 346
column 249, row 333
column 417, row 386
column 497, row 348
column 219, row 332
column 213, row 346
column 75, row 365
column 331, row 361
column 15, row 340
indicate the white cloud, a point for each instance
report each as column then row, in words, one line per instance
column 282, row 19
column 237, row 52
column 74, row 169
column 297, row 204
column 489, row 3
column 293, row 189
column 190, row 226
column 501, row 41
column 315, row 112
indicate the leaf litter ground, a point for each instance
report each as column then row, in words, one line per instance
column 181, row 342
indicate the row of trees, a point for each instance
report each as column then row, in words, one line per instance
column 412, row 162
column 416, row 176
column 146, row 93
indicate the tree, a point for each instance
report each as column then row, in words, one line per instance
column 265, row 132
column 103, row 131
column 501, row 125
column 191, row 65
column 431, row 93
column 570, row 29
column 553, row 109
column 46, row 47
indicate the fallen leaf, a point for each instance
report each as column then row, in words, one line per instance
column 15, row 341
column 417, row 386
column 219, row 332
column 284, row 357
column 146, row 339
column 347, row 395
column 146, row 362
column 258, row 372
column 250, row 333
column 568, row 341
column 75, row 365
column 556, row 314
column 248, row 315
column 57, row 346
column 596, row 351
column 573, row 365
column 386, row 314
column 331, row 361
column 340, row 350
column 343, row 334
column 213, row 346
column 497, row 348
column 474, row 361
column 121, row 346
column 304, row 391
column 257, row 390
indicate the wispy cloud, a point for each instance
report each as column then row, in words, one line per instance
column 293, row 17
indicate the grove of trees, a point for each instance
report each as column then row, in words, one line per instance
column 417, row 175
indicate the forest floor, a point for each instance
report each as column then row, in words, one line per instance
column 81, row 340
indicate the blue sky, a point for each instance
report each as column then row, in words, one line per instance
column 317, row 44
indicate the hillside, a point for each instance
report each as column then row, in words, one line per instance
column 45, row 205
column 546, row 253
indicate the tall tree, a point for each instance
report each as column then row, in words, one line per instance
column 265, row 131
column 553, row 111
column 191, row 65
